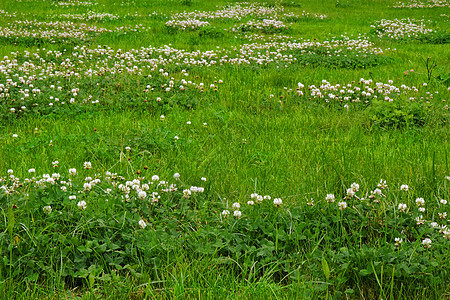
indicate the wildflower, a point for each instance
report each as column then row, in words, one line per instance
column 404, row 188
column 421, row 209
column 426, row 243
column 10, row 171
column 142, row 195
column 342, row 205
column 188, row 122
column 377, row 192
column 87, row 165
column 442, row 215
column 350, row 193
column 186, row 193
column 382, row 184
column 15, row 136
column 420, row 201
column 355, row 186
column 155, row 178
column 446, row 234
column 203, row 179
column 225, row 213
column 277, row 201
column 72, row 197
column 267, row 197
column 205, row 124
column 398, row 241
column 176, row 176
column 419, row 220
column 402, row 207
column 250, row 202
column 236, row 206
column 31, row 171
column 47, row 209
column 434, row 224
column 82, row 205
column 73, row 171
column 162, row 117
column 443, row 201
column 237, row 214
column 142, row 224
column 330, row 198
column 55, row 164
column 128, row 149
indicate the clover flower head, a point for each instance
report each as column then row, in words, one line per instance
column 225, row 213
column 420, row 202
column 342, row 205
column 87, row 165
column 277, row 202
column 73, row 171
column 142, row 224
column 82, row 205
column 354, row 186
column 142, row 195
column 237, row 214
column 426, row 243
column 176, row 175
column 236, row 206
column 47, row 209
column 443, row 201
column 402, row 207
column 404, row 188
column 330, row 198
column 250, row 202
column 398, row 241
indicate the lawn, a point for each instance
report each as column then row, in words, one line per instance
column 224, row 149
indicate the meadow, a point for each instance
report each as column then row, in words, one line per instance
column 286, row 149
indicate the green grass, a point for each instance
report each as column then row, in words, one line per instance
column 259, row 137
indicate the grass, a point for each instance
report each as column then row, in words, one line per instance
column 251, row 132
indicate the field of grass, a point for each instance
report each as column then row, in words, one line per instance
column 286, row 149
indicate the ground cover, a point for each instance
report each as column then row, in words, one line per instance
column 161, row 149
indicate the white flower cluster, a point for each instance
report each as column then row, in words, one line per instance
column 399, row 29
column 422, row 4
column 188, row 24
column 264, row 25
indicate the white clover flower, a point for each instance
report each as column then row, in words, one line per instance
column 237, row 214
column 128, row 149
column 342, row 205
column 155, row 178
column 73, row 171
column 176, row 175
column 382, row 184
column 200, row 189
column 404, row 188
column 419, row 220
column 225, row 213
column 250, row 202
column 277, row 201
column 203, row 179
column 72, row 197
column 267, row 197
column 442, row 215
column 15, row 135
column 434, row 224
column 142, row 195
column 421, row 209
column 402, row 207
column 377, row 192
column 31, row 171
column 188, row 122
column 87, row 165
column 398, row 241
column 186, row 193
column 87, row 186
column 55, row 163
column 142, row 224
column 82, row 205
column 10, row 171
column 162, row 117
column 47, row 209
column 443, row 201
column 446, row 234
column 350, row 192
column 236, row 206
column 426, row 243
column 330, row 198
column 259, row 198
column 205, row 124
column 420, row 201
column 355, row 187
